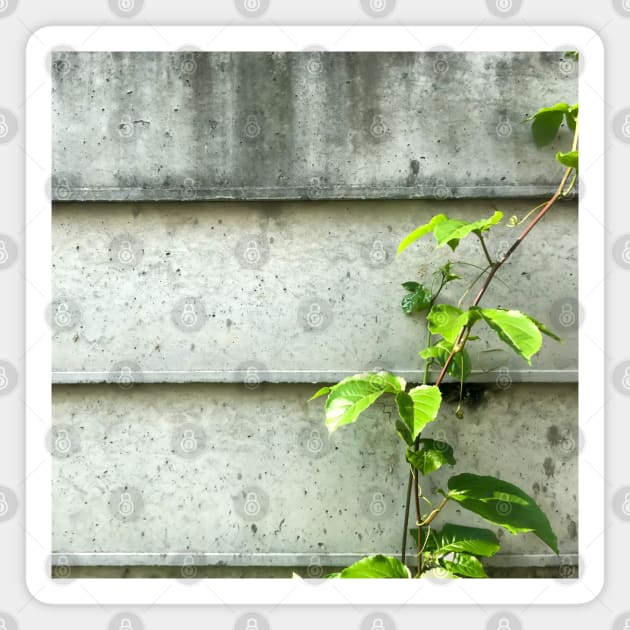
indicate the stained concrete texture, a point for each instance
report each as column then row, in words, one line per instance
column 290, row 292
column 226, row 474
column 305, row 125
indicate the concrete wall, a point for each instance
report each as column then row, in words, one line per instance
column 188, row 334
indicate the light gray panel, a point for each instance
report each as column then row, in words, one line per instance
column 191, row 456
column 197, row 125
column 287, row 292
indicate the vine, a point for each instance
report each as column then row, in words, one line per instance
column 456, row 549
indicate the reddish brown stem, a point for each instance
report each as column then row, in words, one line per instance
column 459, row 344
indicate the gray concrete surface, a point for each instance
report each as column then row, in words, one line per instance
column 287, row 292
column 189, row 334
column 190, row 457
column 309, row 125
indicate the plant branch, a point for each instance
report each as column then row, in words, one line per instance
column 462, row 337
column 416, row 497
column 406, row 518
column 485, row 250
column 427, row 521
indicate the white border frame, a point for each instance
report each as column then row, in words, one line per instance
column 38, row 338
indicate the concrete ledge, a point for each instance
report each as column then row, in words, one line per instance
column 251, row 475
column 270, row 291
column 303, row 125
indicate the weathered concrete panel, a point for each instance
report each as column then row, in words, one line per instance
column 160, row 473
column 200, row 125
column 286, row 292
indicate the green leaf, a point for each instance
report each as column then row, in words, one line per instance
column 420, row 232
column 322, row 392
column 446, row 320
column 377, row 567
column 419, row 407
column 501, row 503
column 418, row 300
column 402, row 429
column 543, row 329
column 463, row 564
column 447, row 273
column 349, row 398
column 431, row 456
column 546, row 123
column 460, row 366
column 451, row 231
column 460, row 538
column 569, row 159
column 514, row 328
column 571, row 117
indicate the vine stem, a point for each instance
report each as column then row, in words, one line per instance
column 459, row 344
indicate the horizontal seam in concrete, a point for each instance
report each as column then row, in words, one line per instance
column 276, row 559
column 313, row 192
column 291, row 376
